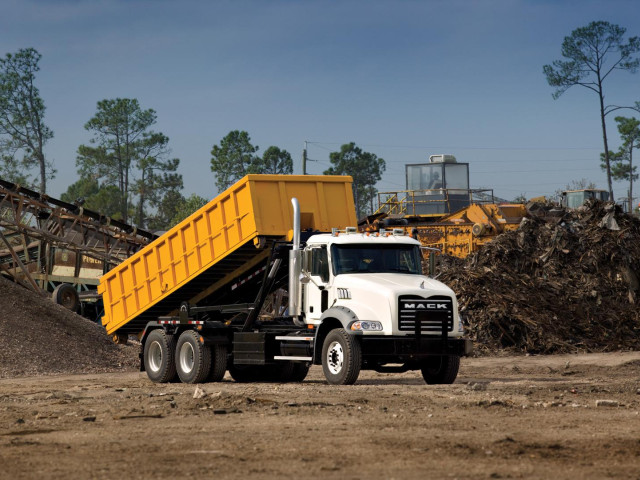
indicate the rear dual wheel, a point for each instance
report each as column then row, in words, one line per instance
column 193, row 361
column 193, row 358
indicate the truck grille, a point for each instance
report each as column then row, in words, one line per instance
column 431, row 312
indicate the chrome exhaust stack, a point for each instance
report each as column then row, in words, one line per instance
column 295, row 266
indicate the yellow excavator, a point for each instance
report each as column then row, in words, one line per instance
column 439, row 209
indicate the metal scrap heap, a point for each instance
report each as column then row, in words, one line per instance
column 565, row 281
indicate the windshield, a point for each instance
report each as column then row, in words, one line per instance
column 376, row 259
column 576, row 199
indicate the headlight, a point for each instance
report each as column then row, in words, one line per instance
column 366, row 326
column 460, row 325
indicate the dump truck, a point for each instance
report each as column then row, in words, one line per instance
column 207, row 296
column 439, row 209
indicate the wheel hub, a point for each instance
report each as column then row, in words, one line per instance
column 335, row 358
column 155, row 356
column 68, row 299
column 187, row 357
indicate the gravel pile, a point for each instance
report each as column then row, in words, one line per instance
column 38, row 337
column 565, row 281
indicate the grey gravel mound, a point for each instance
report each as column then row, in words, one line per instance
column 38, row 337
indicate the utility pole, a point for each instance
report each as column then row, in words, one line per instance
column 304, row 159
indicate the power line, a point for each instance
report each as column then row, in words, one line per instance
column 450, row 147
column 555, row 170
column 320, row 146
column 511, row 160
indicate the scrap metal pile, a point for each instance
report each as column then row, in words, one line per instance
column 565, row 281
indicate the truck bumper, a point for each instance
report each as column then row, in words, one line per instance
column 403, row 350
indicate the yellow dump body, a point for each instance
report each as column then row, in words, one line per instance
column 218, row 243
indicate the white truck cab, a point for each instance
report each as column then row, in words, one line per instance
column 366, row 298
column 378, row 277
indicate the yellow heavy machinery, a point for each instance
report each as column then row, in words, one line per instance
column 439, row 209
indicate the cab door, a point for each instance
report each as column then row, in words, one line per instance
column 316, row 290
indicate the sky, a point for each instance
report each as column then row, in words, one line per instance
column 402, row 79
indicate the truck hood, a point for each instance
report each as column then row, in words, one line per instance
column 375, row 296
column 414, row 284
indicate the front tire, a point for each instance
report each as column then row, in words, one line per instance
column 341, row 357
column 158, row 355
column 193, row 359
column 440, row 370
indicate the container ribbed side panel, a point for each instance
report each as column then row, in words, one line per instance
column 257, row 205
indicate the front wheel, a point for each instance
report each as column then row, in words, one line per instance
column 341, row 357
column 440, row 370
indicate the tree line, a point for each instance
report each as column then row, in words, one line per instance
column 127, row 171
column 236, row 157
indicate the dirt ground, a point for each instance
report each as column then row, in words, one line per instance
column 563, row 416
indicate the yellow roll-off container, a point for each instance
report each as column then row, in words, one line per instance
column 218, row 243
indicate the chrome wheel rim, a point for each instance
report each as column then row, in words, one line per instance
column 335, row 358
column 155, row 356
column 187, row 357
